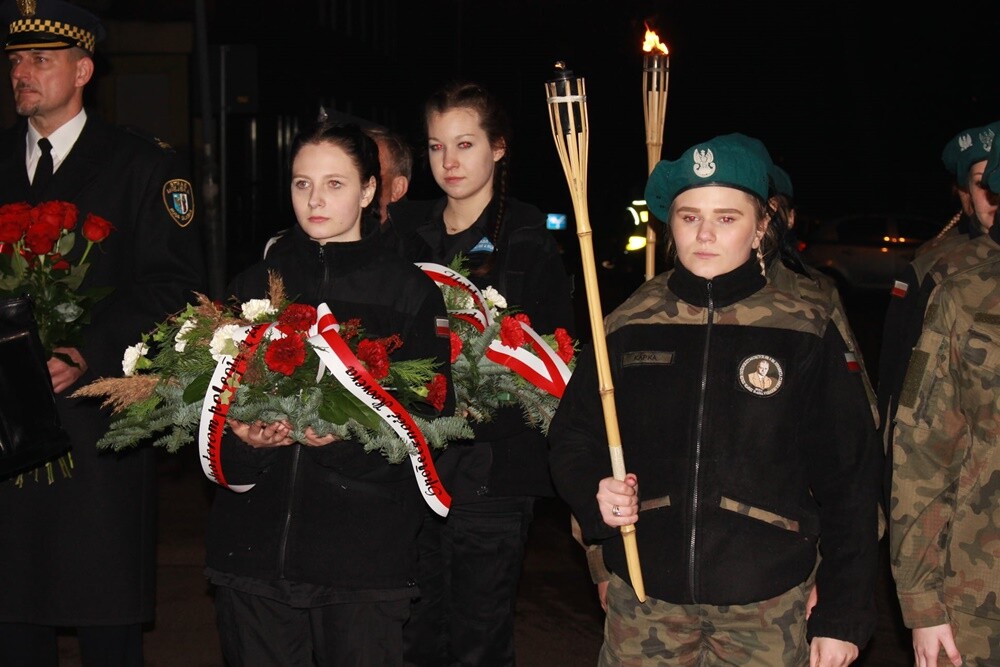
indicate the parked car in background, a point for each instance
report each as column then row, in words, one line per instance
column 865, row 251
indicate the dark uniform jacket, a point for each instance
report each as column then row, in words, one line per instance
column 740, row 476
column 508, row 458
column 337, row 518
column 81, row 550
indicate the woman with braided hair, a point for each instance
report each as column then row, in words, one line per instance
column 471, row 562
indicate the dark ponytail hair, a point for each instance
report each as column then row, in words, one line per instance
column 361, row 148
column 493, row 119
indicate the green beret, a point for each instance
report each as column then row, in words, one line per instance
column 991, row 176
column 49, row 24
column 966, row 149
column 732, row 160
column 782, row 181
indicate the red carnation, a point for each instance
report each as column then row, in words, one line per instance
column 95, row 228
column 375, row 358
column 61, row 213
column 456, row 346
column 285, row 354
column 511, row 333
column 565, row 343
column 298, row 316
column 437, row 392
column 14, row 220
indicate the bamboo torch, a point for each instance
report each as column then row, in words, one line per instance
column 655, row 77
column 567, row 99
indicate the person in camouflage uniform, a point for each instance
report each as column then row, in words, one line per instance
column 945, row 524
column 744, row 483
column 964, row 156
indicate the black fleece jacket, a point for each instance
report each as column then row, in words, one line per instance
column 332, row 516
column 740, row 478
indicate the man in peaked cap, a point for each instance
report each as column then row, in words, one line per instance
column 91, row 560
column 50, row 25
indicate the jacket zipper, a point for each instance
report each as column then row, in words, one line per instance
column 294, row 471
column 697, row 446
column 283, row 544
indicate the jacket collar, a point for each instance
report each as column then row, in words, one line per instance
column 340, row 257
column 724, row 290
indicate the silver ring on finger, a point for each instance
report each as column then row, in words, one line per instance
column 617, row 511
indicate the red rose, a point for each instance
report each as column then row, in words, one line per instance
column 511, row 333
column 565, row 343
column 95, row 228
column 59, row 263
column 10, row 232
column 298, row 316
column 14, row 221
column 437, row 392
column 456, row 346
column 61, row 213
column 285, row 354
column 373, row 355
column 41, row 237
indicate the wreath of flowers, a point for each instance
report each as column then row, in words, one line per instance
column 168, row 373
column 483, row 385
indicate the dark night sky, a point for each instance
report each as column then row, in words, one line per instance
column 855, row 107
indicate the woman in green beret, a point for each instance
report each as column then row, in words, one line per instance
column 746, row 480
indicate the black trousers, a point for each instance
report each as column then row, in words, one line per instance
column 29, row 645
column 469, row 570
column 256, row 632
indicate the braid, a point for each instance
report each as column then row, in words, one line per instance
column 500, row 186
column 951, row 223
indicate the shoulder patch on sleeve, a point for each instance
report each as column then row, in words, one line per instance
column 178, row 198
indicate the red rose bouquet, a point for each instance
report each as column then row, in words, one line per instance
column 285, row 372
column 39, row 258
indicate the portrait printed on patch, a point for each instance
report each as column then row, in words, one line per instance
column 761, row 375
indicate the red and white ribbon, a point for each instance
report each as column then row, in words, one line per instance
column 214, row 408
column 543, row 368
column 480, row 316
column 348, row 370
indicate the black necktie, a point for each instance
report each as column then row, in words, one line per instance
column 43, row 172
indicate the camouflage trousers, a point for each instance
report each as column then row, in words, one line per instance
column 977, row 639
column 771, row 633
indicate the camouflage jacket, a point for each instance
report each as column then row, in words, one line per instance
column 748, row 426
column 945, row 528
column 820, row 290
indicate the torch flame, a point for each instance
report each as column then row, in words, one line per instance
column 652, row 41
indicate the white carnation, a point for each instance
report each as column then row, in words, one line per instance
column 180, row 340
column 132, row 356
column 255, row 308
column 494, row 300
column 223, row 341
